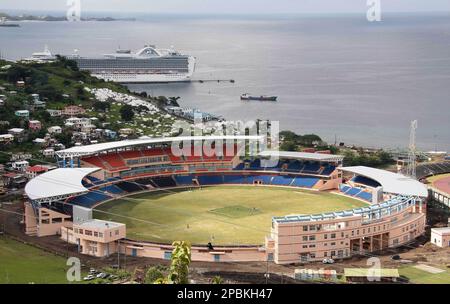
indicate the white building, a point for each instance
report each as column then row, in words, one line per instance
column 55, row 130
column 6, row 138
column 440, row 236
column 20, row 165
column 48, row 152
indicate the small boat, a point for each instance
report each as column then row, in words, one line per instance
column 247, row 96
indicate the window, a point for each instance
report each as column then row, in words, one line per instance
column 304, row 257
column 305, row 228
column 217, row 258
column 325, row 236
column 95, row 233
column 312, row 228
column 333, row 235
column 305, row 246
column 312, row 246
column 305, row 238
column 333, row 253
column 312, row 237
column 312, row 255
column 325, row 254
column 88, row 232
column 167, row 255
column 100, row 234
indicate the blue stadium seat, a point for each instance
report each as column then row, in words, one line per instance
column 90, row 199
column 130, row 187
column 311, row 168
column 365, row 196
column 183, row 180
column 282, row 180
column 353, row 191
column 112, row 189
column 305, row 182
column 233, row 179
column 266, row 179
column 328, row 170
column 365, row 181
column 210, row 179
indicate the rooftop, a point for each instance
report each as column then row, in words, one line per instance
column 391, row 182
column 96, row 148
column 443, row 230
column 302, row 155
column 99, row 224
column 57, row 184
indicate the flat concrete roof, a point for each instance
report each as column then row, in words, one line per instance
column 99, row 224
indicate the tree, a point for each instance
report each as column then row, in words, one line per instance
column 101, row 106
column 217, row 280
column 154, row 274
column 179, row 268
column 173, row 101
column 126, row 112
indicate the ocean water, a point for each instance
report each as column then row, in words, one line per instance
column 336, row 76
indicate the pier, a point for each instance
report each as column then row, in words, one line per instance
column 213, row 80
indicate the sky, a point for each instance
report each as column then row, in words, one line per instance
column 229, row 6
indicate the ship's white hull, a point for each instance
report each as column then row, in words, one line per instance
column 144, row 78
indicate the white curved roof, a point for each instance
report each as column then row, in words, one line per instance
column 302, row 155
column 57, row 184
column 391, row 182
column 96, row 148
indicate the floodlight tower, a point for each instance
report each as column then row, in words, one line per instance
column 411, row 170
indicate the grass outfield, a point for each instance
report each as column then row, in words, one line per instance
column 23, row 264
column 223, row 215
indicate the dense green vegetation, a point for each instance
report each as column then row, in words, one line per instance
column 291, row 141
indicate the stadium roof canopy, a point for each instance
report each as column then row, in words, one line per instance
column 302, row 155
column 57, row 184
column 97, row 148
column 391, row 182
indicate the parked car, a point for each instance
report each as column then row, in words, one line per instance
column 328, row 261
column 102, row 275
column 89, row 277
column 395, row 257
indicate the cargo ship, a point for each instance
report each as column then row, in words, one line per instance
column 247, row 96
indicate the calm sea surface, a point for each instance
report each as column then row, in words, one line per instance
column 335, row 76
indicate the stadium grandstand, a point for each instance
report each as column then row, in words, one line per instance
column 92, row 175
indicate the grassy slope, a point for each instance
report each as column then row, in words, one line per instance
column 20, row 263
column 423, row 277
column 166, row 216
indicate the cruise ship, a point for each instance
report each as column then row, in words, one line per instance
column 147, row 65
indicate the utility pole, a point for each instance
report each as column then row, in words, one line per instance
column 118, row 254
